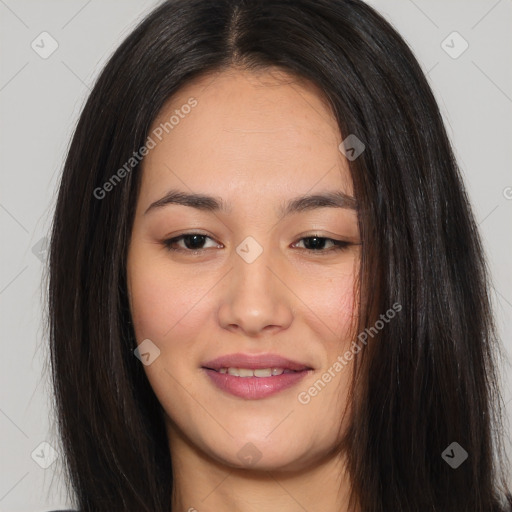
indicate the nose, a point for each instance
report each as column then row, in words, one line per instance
column 256, row 299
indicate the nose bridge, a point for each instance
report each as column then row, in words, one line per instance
column 255, row 297
column 252, row 264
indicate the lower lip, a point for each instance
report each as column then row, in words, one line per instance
column 254, row 388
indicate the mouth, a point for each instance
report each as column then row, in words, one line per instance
column 255, row 376
column 254, row 362
column 254, row 372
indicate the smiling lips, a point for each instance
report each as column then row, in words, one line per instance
column 254, row 376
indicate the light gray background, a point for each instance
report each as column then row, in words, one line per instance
column 40, row 100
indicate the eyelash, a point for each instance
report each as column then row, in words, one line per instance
column 339, row 245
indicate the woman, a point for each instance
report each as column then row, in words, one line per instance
column 267, row 290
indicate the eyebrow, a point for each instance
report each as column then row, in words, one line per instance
column 331, row 199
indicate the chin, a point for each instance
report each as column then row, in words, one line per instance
column 285, row 452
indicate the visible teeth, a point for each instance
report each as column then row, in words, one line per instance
column 263, row 372
column 260, row 372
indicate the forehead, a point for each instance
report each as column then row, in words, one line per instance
column 266, row 132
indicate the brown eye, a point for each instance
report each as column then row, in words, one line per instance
column 317, row 244
column 193, row 243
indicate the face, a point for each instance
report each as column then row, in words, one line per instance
column 244, row 276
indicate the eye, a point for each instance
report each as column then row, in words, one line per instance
column 317, row 244
column 194, row 244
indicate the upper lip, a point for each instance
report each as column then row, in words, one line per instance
column 254, row 362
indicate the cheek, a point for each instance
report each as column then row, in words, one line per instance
column 150, row 301
column 339, row 301
column 161, row 297
column 331, row 297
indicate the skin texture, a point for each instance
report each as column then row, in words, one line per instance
column 255, row 139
